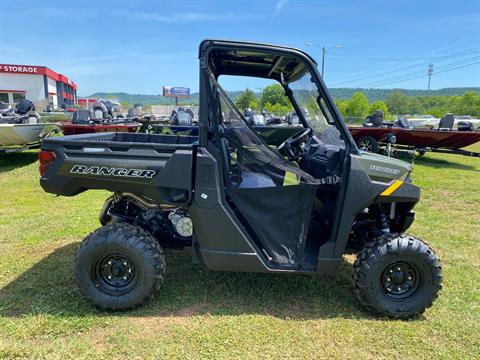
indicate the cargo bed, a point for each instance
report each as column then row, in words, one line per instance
column 159, row 167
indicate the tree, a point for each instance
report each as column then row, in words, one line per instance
column 379, row 105
column 398, row 103
column 276, row 108
column 438, row 112
column 468, row 104
column 254, row 105
column 342, row 106
column 415, row 106
column 245, row 99
column 358, row 105
column 274, row 94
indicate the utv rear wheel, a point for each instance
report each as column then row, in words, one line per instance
column 368, row 143
column 119, row 267
column 397, row 276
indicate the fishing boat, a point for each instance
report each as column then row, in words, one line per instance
column 69, row 128
column 20, row 137
column 22, row 129
column 442, row 139
column 99, row 118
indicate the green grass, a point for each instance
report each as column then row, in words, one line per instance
column 203, row 314
column 49, row 117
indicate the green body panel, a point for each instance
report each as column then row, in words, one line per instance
column 383, row 168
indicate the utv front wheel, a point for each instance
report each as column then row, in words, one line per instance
column 397, row 276
column 119, row 267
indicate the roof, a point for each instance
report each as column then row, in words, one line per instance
column 281, row 63
column 237, row 43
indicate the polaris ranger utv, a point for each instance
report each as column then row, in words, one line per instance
column 242, row 204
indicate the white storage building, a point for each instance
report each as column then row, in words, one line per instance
column 38, row 84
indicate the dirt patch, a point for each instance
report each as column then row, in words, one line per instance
column 195, row 309
column 145, row 326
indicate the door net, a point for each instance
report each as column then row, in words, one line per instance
column 274, row 197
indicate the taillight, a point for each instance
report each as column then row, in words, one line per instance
column 46, row 159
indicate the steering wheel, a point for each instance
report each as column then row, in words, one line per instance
column 289, row 143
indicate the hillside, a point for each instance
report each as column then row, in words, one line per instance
column 337, row 93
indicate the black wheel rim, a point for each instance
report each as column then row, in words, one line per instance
column 365, row 145
column 400, row 280
column 115, row 274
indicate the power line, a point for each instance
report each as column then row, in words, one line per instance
column 457, row 67
column 416, row 64
column 440, row 67
column 397, row 59
column 404, row 78
column 422, row 72
column 436, row 72
column 416, row 76
column 463, row 35
column 397, row 70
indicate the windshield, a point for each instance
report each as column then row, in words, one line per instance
column 306, row 95
column 257, row 163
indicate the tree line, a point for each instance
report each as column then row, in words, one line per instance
column 273, row 100
column 397, row 103
column 382, row 94
column 359, row 105
column 337, row 93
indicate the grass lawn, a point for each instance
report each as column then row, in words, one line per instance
column 203, row 314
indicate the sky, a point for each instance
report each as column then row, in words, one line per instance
column 140, row 46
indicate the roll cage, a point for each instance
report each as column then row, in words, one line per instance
column 279, row 63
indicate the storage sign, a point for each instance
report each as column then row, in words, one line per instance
column 176, row 91
column 22, row 69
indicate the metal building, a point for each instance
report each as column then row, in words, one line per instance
column 38, row 84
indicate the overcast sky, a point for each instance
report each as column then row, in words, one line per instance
column 139, row 46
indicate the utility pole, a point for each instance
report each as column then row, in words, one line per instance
column 324, row 51
column 429, row 73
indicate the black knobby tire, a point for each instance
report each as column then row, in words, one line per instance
column 119, row 267
column 419, row 280
column 368, row 143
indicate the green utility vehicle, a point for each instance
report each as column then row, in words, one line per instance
column 242, row 204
